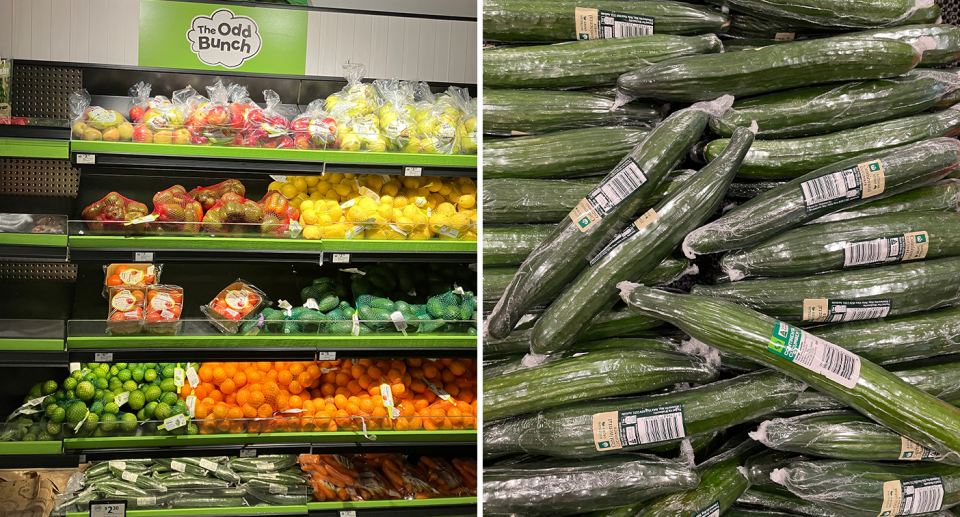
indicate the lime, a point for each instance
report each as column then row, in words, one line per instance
column 168, row 371
column 142, row 414
column 89, row 377
column 108, row 422
column 150, row 365
column 77, row 375
column 69, row 395
column 100, row 374
column 85, row 390
column 49, row 387
column 122, row 366
column 53, row 428
column 162, row 411
column 93, row 366
column 76, row 412
column 70, row 383
column 150, row 375
column 44, row 436
column 29, row 437
column 114, row 384
column 125, row 375
column 35, row 391
column 97, row 408
column 129, row 422
column 48, row 401
column 137, row 400
column 148, row 410
column 129, row 386
column 101, row 383
column 192, row 428
column 168, row 385
column 50, row 410
column 114, row 370
column 152, row 393
column 169, row 398
column 111, row 408
column 137, row 375
column 91, row 424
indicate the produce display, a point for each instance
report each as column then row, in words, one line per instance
column 806, row 170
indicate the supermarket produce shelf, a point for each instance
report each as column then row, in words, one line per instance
column 237, row 162
column 35, row 455
column 34, row 148
column 32, row 343
column 35, row 132
column 274, row 511
column 33, row 246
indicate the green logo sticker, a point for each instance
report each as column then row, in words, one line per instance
column 785, row 340
column 874, row 166
column 584, row 222
column 604, row 445
column 921, row 239
column 584, row 36
column 908, row 454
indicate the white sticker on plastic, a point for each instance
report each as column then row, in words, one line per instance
column 147, row 501
column 174, row 422
column 413, row 171
column 278, row 489
column 119, row 465
column 192, row 377
column 209, row 465
column 179, row 466
column 815, row 354
column 399, row 322
column 122, row 398
column 126, row 475
column 87, row 159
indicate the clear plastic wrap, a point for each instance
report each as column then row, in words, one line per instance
column 437, row 118
column 133, row 275
column 507, row 112
column 837, row 13
column 95, row 123
column 216, row 120
column 176, row 211
column 396, row 115
column 125, row 315
column 943, row 196
column 139, row 101
column 798, row 201
column 269, row 127
column 353, row 108
column 113, row 212
column 163, row 119
column 315, row 128
column 237, row 302
column 772, row 496
column 163, row 309
column 558, row 487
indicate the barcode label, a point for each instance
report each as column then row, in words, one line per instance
column 615, row 430
column 711, row 511
column 629, row 29
column 857, row 182
column 815, row 354
column 913, row 451
column 823, row 310
column 625, row 179
column 915, row 496
column 892, row 248
column 600, row 24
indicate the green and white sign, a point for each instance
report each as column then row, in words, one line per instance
column 195, row 36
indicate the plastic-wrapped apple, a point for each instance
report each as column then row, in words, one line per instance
column 237, row 119
column 428, row 125
column 255, row 115
column 285, row 143
column 136, row 112
column 323, row 131
column 126, row 131
column 331, row 101
column 378, row 146
column 156, row 120
column 92, row 134
column 349, row 142
column 301, row 142
column 413, row 146
column 428, row 145
column 181, row 136
column 163, row 137
column 217, row 116
column 78, row 129
column 142, row 134
column 251, row 141
column 111, row 134
column 196, row 139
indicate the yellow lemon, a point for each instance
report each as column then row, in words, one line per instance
column 335, row 178
column 323, row 187
column 411, row 183
column 446, row 209
column 289, row 191
column 316, row 196
column 309, row 216
column 467, row 201
column 275, row 185
column 343, row 189
column 311, row 232
column 299, row 183
column 312, row 181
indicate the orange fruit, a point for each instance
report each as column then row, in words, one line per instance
column 447, row 376
column 205, row 373
column 234, row 413
column 430, row 370
column 343, row 391
column 343, row 379
column 264, row 366
column 374, row 373
column 364, row 381
column 284, row 377
column 219, row 375
column 270, row 391
column 414, row 361
column 295, row 387
column 216, row 396
column 200, row 392
column 343, row 418
column 304, row 379
column 230, row 369
column 295, row 402
column 240, row 379
column 283, row 402
column 451, row 388
column 296, row 369
column 201, row 411
column 231, row 398
column 265, row 411
column 418, row 386
column 219, row 411
column 399, row 390
column 465, row 395
column 354, row 387
column 398, row 365
column 416, row 372
column 256, row 399
column 446, row 362
column 366, row 405
column 271, row 375
column 455, row 416
column 254, row 376
column 327, row 389
column 243, row 396
column 228, row 386
column 248, row 411
column 330, row 408
column 394, row 376
column 340, row 401
column 314, row 371
column 352, row 408
column 356, row 371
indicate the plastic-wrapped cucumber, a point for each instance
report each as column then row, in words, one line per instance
column 178, row 465
column 624, row 511
column 791, row 158
column 140, row 480
column 863, row 385
column 747, row 26
column 531, row 201
column 588, row 377
column 868, row 241
column 738, row 511
column 557, row 487
column 264, row 479
column 560, row 154
column 842, row 435
column 775, row 497
column 209, row 501
column 281, row 495
column 636, row 250
column 829, row 108
column 266, row 463
column 862, row 489
column 835, row 13
column 751, row 189
column 826, row 190
column 152, row 501
column 943, row 196
column 218, row 466
column 507, row 112
column 586, row 63
column 946, row 38
column 184, row 481
column 510, row 245
column 104, row 467
column 568, row 431
column 758, row 467
column 504, row 365
column 117, row 488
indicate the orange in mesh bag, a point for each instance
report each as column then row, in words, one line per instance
column 112, row 211
column 176, row 211
column 277, row 213
column 208, row 196
column 231, row 214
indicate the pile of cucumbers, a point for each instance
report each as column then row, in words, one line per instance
column 721, row 259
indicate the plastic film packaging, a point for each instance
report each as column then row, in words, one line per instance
column 861, row 489
column 315, row 128
column 270, row 126
column 566, row 487
column 237, row 302
column 438, row 119
column 219, row 119
column 942, row 48
column 757, row 468
column 943, row 196
column 569, row 431
column 162, row 120
column 467, row 125
column 95, row 123
column 775, row 497
column 876, row 13
column 798, row 201
column 507, row 112
column 396, row 115
column 353, row 109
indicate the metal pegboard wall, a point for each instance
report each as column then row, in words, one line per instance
column 42, row 91
column 950, row 11
column 29, row 177
column 55, row 272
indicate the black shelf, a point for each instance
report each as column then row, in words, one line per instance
column 39, row 461
column 41, row 132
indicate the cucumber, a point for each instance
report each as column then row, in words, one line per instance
column 829, row 108
column 104, row 467
column 567, row 431
column 139, row 480
column 894, row 290
column 508, row 112
column 117, row 488
column 751, row 189
column 868, row 241
column 943, row 196
column 842, row 435
column 637, row 250
column 873, row 391
column 776, row 497
column 265, row 463
column 748, row 26
column 567, row 487
column 587, row 63
column 264, row 495
column 558, row 260
column 588, row 377
column 720, row 485
column 857, row 488
column 946, row 38
column 497, row 367
column 785, row 207
column 623, row 511
column 553, row 20
column 184, row 481
column 564, row 153
column 769, row 69
column 738, row 511
column 277, row 478
column 510, row 245
column 867, row 14
column 209, row 501
column 790, row 158
column 758, row 467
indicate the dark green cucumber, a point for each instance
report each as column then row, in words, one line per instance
column 868, row 241
column 720, row 486
column 856, row 489
column 790, row 158
column 508, row 112
column 946, row 38
column 624, row 511
column 738, row 511
column 563, row 254
column 510, row 245
column 586, row 63
column 899, row 289
column 943, row 196
column 637, row 250
column 588, row 377
column 785, row 207
column 867, row 14
column 564, row 153
column 751, row 189
column 873, row 391
column 769, row 69
column 747, row 26
column 829, row 108
column 568, row 431
column 495, row 367
column 545, row 488
column 775, row 497
column 551, row 21
column 758, row 467
column 841, row 435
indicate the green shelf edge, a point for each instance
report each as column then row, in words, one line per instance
column 34, row 148
column 281, row 341
column 400, row 503
column 308, row 155
column 31, row 344
column 33, row 239
column 246, row 243
column 432, row 245
column 238, row 510
column 20, row 448
column 119, row 442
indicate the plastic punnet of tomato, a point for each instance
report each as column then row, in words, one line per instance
column 129, row 275
column 236, row 303
column 163, row 308
column 125, row 315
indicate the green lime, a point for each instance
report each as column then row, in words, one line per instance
column 129, row 422
column 114, row 384
column 85, row 390
column 152, row 393
column 125, row 375
column 101, row 383
column 162, row 411
column 49, row 387
column 111, row 408
column 29, row 437
column 137, row 374
column 44, row 436
column 129, row 386
column 97, row 408
column 148, row 410
column 122, row 366
column 53, row 428
column 108, row 422
column 70, row 383
column 168, row 385
column 91, row 424
column 76, row 412
column 137, row 400
column 168, row 371
column 114, row 370
column 150, row 375
column 169, row 398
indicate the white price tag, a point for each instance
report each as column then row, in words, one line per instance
column 143, row 256
column 192, row 405
column 174, row 422
column 192, row 377
column 103, row 357
column 179, row 376
column 341, row 258
column 122, row 398
column 356, row 325
column 74, row 367
column 129, row 476
column 326, row 356
column 413, row 171
column 87, row 159
column 278, row 177
column 120, row 465
column 179, row 466
column 211, row 465
column 248, row 453
column 399, row 322
column 108, row 509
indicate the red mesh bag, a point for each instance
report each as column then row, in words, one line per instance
column 208, row 196
column 112, row 211
column 270, row 126
column 231, row 214
column 277, row 213
column 176, row 211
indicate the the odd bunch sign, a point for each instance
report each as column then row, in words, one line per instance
column 189, row 35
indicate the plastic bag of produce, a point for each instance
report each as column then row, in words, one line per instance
column 407, row 480
column 237, row 302
column 208, row 196
column 396, row 113
column 96, row 123
column 270, row 126
column 139, row 100
column 176, row 211
column 467, row 125
column 278, row 215
column 125, row 315
column 315, row 128
column 218, row 121
column 353, row 108
column 232, row 214
column 163, row 119
column 437, row 119
column 111, row 212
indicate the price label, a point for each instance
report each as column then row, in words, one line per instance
column 413, row 171
column 326, row 356
column 179, row 376
column 348, row 513
column 103, row 357
column 341, row 258
column 108, row 509
column 143, row 256
column 174, row 422
column 192, row 377
column 210, row 465
column 248, row 453
column 179, row 466
column 192, row 405
column 88, row 159
column 74, row 367
column 122, row 398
